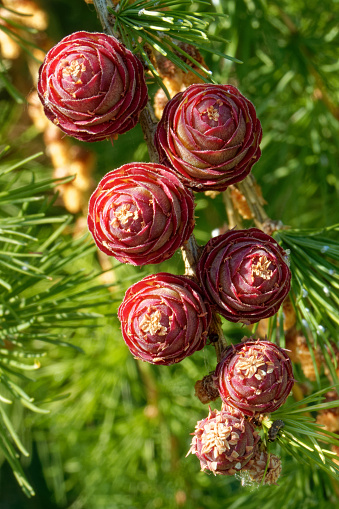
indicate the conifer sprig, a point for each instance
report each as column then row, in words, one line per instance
column 301, row 434
column 161, row 26
column 41, row 299
column 314, row 258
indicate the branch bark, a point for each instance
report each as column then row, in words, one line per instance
column 191, row 254
column 147, row 118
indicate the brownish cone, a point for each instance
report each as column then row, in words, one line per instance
column 224, row 442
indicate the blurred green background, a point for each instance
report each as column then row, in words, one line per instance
column 119, row 438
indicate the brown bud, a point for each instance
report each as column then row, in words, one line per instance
column 151, row 411
column 329, row 419
column 180, row 497
column 212, row 194
column 205, row 389
column 192, row 51
column 190, row 78
column 166, row 68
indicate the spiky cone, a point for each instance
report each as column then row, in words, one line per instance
column 210, row 135
column 257, row 466
column 164, row 318
column 92, row 87
column 224, row 442
column 141, row 213
column 244, row 274
column 254, row 376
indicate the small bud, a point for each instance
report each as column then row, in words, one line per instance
column 206, row 390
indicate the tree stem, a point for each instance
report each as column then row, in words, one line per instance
column 103, row 15
column 191, row 254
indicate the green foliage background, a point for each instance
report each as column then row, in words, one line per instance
column 119, row 438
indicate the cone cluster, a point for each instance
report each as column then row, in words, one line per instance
column 208, row 138
column 253, row 378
